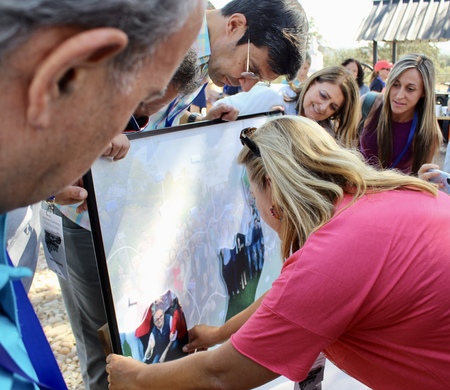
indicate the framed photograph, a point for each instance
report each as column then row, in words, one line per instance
column 177, row 236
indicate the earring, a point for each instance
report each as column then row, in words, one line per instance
column 274, row 213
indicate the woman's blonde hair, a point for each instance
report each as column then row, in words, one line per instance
column 345, row 122
column 310, row 173
column 428, row 135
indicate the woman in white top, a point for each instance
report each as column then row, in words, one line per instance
column 329, row 97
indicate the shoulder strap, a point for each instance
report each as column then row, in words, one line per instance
column 36, row 344
column 369, row 99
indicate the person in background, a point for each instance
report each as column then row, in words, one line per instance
column 184, row 81
column 67, row 66
column 244, row 42
column 401, row 130
column 199, row 104
column 359, row 281
column 356, row 69
column 329, row 97
column 302, row 74
column 379, row 75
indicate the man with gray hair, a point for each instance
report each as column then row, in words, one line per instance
column 67, row 65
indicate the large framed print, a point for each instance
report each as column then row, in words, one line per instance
column 177, row 235
column 179, row 241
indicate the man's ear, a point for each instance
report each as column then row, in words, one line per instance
column 59, row 71
column 237, row 24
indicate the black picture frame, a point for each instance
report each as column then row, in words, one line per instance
column 111, row 202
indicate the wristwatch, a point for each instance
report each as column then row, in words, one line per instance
column 193, row 117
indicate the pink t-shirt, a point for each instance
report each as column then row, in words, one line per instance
column 371, row 289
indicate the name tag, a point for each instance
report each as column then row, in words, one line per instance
column 53, row 242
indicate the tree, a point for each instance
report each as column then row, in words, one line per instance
column 364, row 54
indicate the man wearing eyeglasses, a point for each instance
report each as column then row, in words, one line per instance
column 240, row 44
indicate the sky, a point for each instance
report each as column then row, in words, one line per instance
column 338, row 21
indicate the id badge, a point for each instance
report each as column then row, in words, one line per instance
column 53, row 242
column 315, row 376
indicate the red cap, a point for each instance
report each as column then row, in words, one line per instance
column 382, row 64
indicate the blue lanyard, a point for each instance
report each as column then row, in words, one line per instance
column 170, row 117
column 36, row 344
column 409, row 142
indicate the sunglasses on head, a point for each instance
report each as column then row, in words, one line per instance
column 245, row 140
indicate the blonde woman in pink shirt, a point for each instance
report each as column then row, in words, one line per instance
column 361, row 282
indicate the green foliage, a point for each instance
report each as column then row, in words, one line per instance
column 314, row 31
column 365, row 55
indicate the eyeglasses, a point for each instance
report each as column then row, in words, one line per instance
column 250, row 75
column 388, row 69
column 245, row 140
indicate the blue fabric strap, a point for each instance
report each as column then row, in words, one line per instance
column 8, row 363
column 170, row 117
column 409, row 142
column 36, row 344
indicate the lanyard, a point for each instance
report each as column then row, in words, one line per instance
column 170, row 117
column 36, row 344
column 8, row 363
column 409, row 142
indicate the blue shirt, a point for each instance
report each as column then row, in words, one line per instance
column 377, row 84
